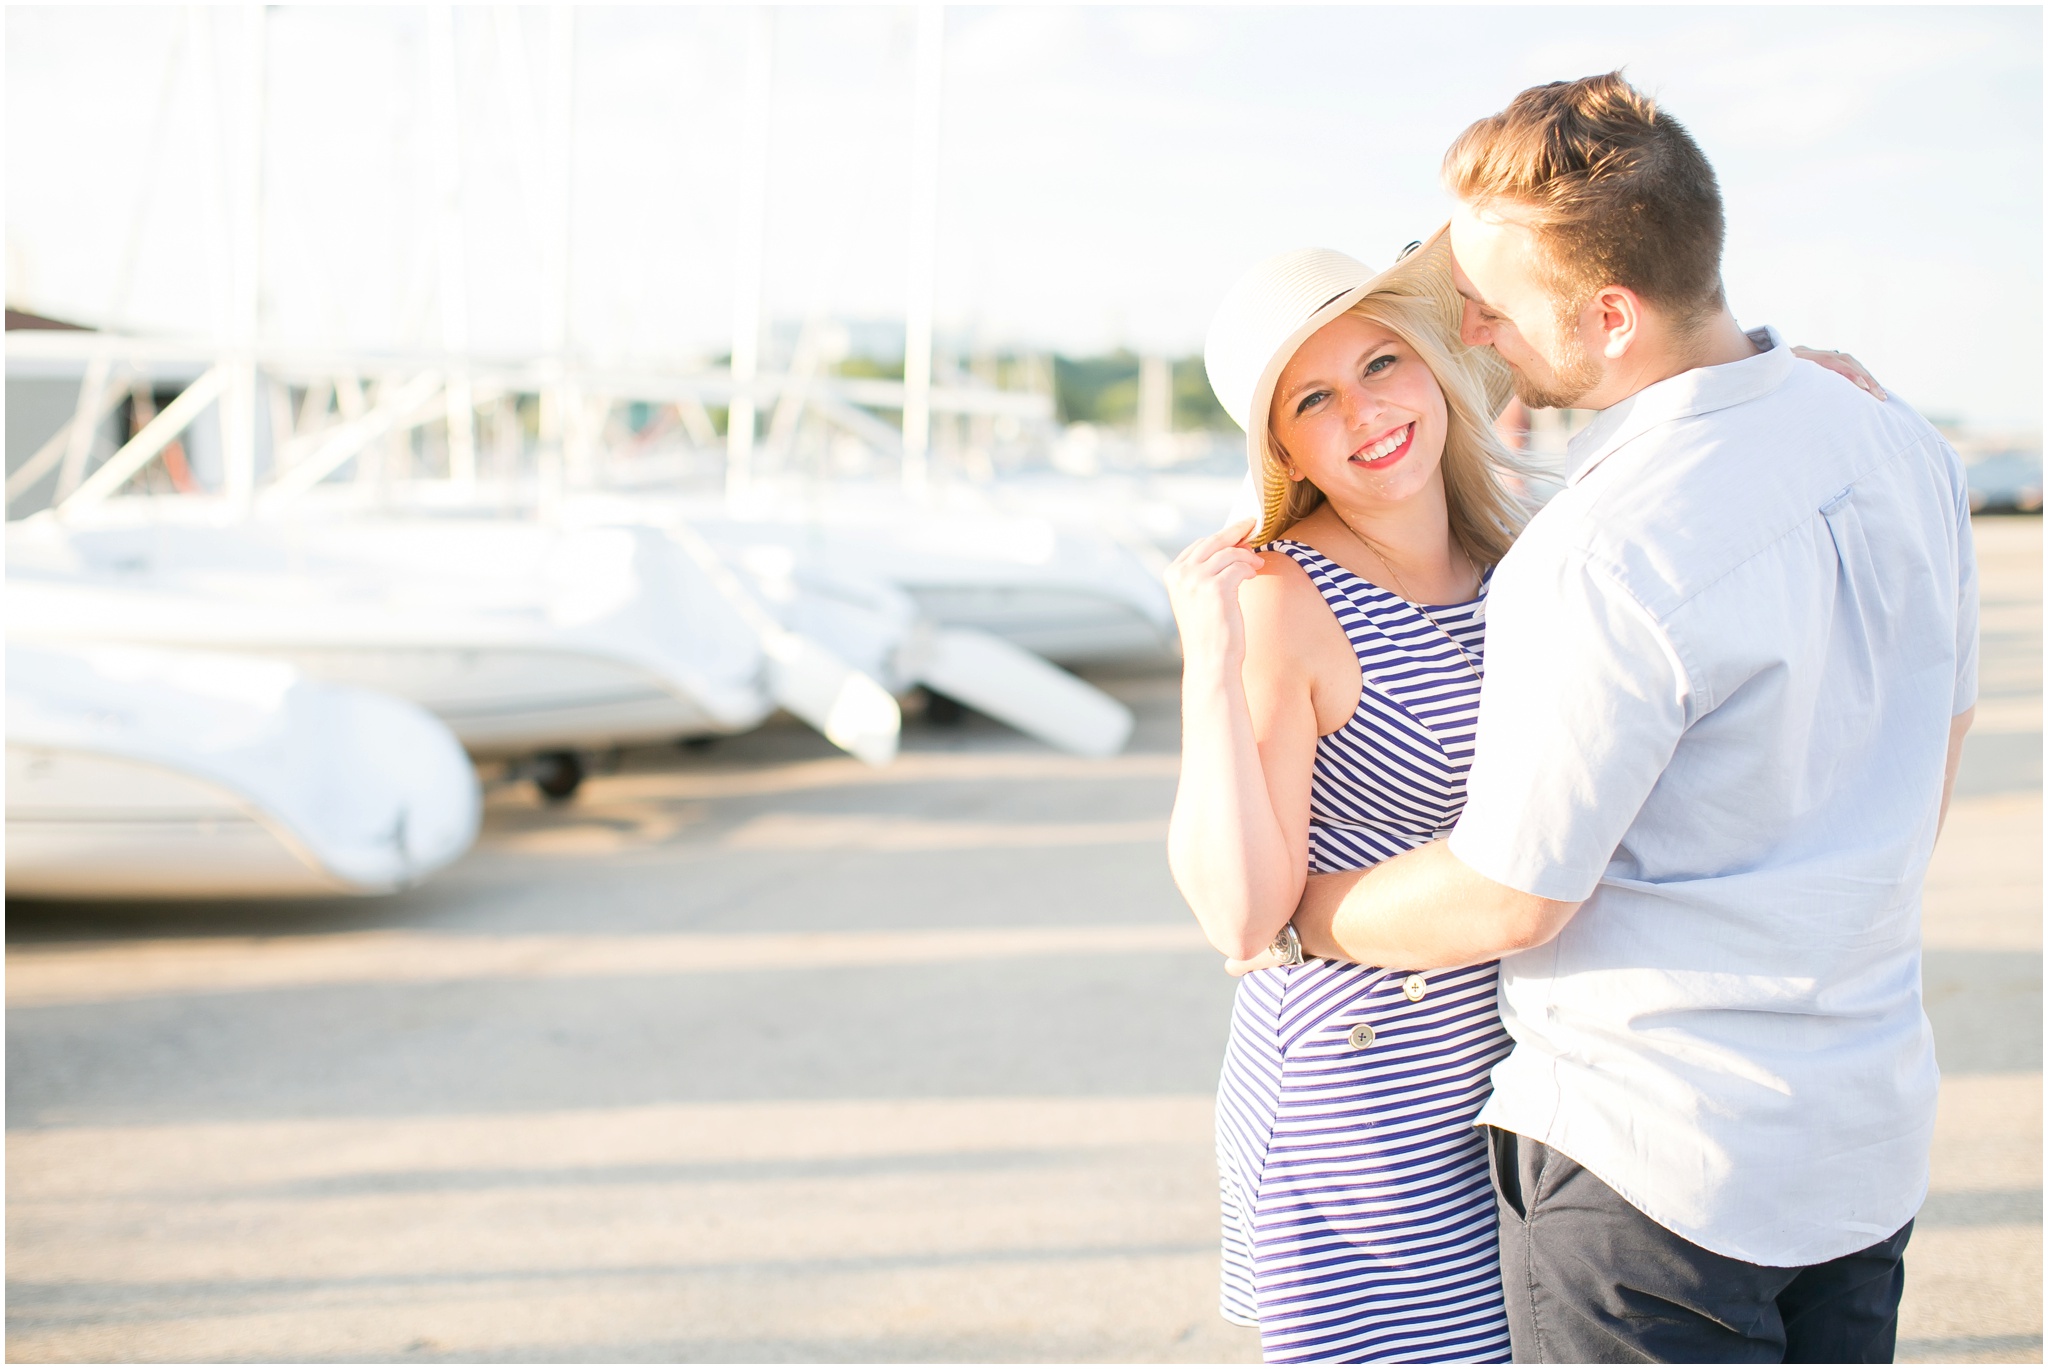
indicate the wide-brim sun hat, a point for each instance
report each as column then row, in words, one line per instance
column 1281, row 303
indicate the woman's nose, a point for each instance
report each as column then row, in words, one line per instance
column 1361, row 406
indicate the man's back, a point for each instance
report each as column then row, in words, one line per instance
column 1721, row 670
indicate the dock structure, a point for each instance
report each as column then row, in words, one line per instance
column 756, row 1052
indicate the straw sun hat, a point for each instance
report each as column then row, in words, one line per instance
column 1280, row 303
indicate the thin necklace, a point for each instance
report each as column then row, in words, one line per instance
column 1410, row 599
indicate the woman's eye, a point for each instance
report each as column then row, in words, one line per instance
column 1309, row 401
column 1378, row 364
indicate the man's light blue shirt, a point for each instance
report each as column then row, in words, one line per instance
column 1720, row 670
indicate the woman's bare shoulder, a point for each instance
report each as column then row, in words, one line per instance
column 1281, row 584
column 1281, row 604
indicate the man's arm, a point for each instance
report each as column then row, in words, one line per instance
column 1957, row 726
column 1583, row 705
column 1424, row 909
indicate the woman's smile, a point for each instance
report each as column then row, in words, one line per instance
column 1386, row 450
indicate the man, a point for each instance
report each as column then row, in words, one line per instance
column 1728, row 673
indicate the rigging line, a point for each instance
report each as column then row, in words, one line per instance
column 124, row 278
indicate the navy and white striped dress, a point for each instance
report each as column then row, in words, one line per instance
column 1358, row 1218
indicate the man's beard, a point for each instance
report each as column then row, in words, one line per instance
column 1573, row 373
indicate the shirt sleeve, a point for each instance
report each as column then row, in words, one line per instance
column 1584, row 702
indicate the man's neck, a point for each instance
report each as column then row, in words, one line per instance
column 1716, row 342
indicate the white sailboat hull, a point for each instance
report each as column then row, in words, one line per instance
column 138, row 773
column 510, row 701
column 1062, row 625
column 96, row 827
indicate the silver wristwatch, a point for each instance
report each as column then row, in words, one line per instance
column 1287, row 946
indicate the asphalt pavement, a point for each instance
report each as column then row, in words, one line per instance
column 753, row 1053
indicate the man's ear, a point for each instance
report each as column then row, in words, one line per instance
column 1616, row 313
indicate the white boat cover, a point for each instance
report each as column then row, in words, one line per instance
column 816, row 591
column 1065, row 591
column 520, row 636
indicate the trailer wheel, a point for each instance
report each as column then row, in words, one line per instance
column 558, row 775
column 941, row 711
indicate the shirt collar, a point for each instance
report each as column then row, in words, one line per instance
column 1685, row 395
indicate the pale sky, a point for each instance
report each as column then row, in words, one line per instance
column 1106, row 172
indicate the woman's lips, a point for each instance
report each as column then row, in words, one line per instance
column 1382, row 462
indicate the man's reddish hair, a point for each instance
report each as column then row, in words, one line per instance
column 1617, row 192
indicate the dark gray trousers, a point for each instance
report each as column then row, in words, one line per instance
column 1589, row 1279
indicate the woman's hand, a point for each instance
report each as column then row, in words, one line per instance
column 1846, row 366
column 1237, row 843
column 1202, row 583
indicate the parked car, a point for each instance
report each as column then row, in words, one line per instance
column 2005, row 482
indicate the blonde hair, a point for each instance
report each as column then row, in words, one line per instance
column 1485, row 511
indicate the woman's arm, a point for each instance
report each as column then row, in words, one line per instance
column 1238, row 840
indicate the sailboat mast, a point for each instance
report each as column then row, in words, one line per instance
column 454, row 296
column 238, row 405
column 923, row 244
column 556, row 396
column 750, row 230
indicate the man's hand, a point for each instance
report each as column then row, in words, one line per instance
column 1845, row 366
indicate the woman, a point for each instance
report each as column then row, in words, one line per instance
column 1328, row 725
column 1330, row 696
